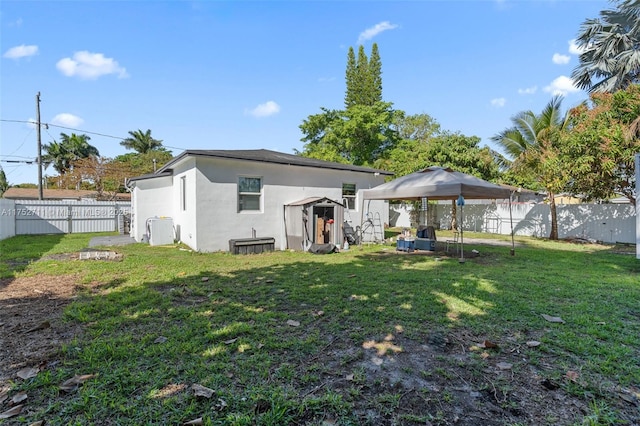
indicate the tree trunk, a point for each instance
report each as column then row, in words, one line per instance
column 454, row 216
column 554, row 217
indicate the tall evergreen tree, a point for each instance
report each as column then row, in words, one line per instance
column 362, row 78
column 351, row 79
column 375, row 76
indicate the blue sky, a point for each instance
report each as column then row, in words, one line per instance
column 244, row 75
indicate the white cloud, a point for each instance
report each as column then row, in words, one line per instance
column 560, row 59
column 574, row 49
column 498, row 102
column 562, row 85
column 90, row 66
column 67, row 120
column 16, row 23
column 326, row 79
column 21, row 51
column 370, row 33
column 264, row 110
column 528, row 90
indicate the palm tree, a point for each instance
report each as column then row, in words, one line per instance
column 611, row 49
column 532, row 145
column 70, row 148
column 141, row 142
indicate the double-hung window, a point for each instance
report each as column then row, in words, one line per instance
column 349, row 195
column 249, row 193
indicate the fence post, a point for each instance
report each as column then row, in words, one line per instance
column 69, row 219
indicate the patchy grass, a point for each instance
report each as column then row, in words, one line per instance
column 366, row 336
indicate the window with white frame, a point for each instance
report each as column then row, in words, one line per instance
column 183, row 193
column 249, row 193
column 349, row 195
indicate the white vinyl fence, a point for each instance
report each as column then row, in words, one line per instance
column 609, row 223
column 22, row 217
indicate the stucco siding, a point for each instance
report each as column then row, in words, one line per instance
column 218, row 220
column 150, row 198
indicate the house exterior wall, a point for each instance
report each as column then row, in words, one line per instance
column 218, row 219
column 150, row 198
column 185, row 205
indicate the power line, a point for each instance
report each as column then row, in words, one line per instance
column 80, row 130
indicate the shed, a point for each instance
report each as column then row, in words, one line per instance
column 313, row 220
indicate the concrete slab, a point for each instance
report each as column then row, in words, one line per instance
column 112, row 240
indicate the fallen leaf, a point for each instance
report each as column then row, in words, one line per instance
column 317, row 313
column 160, row 339
column 197, row 421
column 377, row 361
column 204, row 279
column 74, row 382
column 269, row 281
column 11, row 412
column 504, row 365
column 293, row 323
column 222, row 404
column 203, row 391
column 19, row 397
column 487, row 344
column 533, row 343
column 38, row 423
column 349, row 377
column 572, row 375
column 4, row 394
column 28, row 373
column 552, row 319
column 351, row 276
column 41, row 326
column 230, row 341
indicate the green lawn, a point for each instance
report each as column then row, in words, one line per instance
column 366, row 336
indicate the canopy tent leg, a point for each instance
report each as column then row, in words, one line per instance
column 513, row 244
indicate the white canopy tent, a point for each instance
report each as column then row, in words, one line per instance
column 438, row 183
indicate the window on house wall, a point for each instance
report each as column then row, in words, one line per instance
column 349, row 195
column 183, row 193
column 249, row 193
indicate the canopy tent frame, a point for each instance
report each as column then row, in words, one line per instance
column 440, row 183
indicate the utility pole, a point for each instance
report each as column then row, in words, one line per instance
column 38, row 124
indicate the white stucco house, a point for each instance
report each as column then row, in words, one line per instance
column 214, row 196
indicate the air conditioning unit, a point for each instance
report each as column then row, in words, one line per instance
column 160, row 231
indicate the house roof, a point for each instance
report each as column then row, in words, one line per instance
column 163, row 173
column 263, row 156
column 55, row 194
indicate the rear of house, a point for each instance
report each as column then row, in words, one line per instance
column 214, row 196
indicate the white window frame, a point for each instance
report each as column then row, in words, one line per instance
column 350, row 197
column 183, row 193
column 248, row 193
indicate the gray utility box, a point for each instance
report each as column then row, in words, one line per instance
column 251, row 245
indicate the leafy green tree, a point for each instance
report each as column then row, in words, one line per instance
column 141, row 142
column 610, row 59
column 599, row 151
column 4, row 184
column 140, row 164
column 70, row 148
column 360, row 135
column 532, row 145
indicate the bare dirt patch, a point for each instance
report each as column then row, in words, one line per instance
column 31, row 327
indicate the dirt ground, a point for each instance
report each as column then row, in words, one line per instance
column 440, row 377
column 31, row 330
